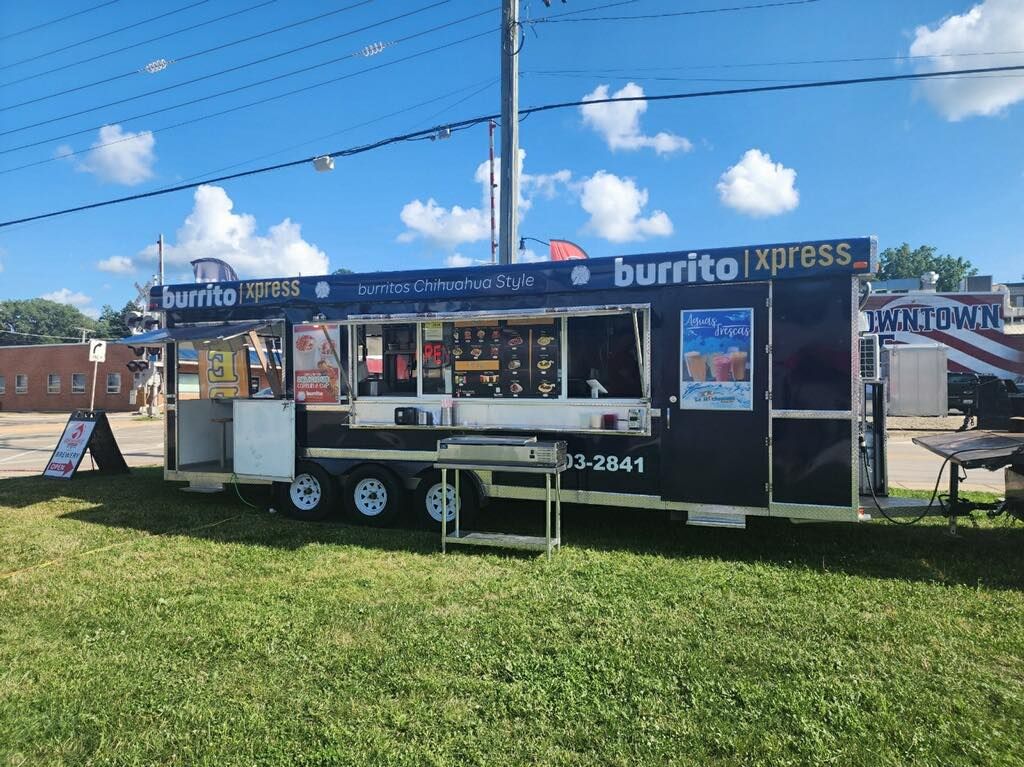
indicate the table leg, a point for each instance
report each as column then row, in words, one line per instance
column 558, row 510
column 444, row 507
column 458, row 500
column 954, row 493
column 547, row 512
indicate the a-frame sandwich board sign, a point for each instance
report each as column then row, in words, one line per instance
column 86, row 430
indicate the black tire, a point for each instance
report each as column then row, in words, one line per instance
column 311, row 497
column 373, row 496
column 427, row 498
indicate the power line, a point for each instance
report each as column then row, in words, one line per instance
column 196, row 54
column 558, row 18
column 367, row 51
column 208, row 76
column 404, row 110
column 464, row 124
column 104, row 34
column 860, row 59
column 42, row 335
column 247, row 105
column 9, row 35
column 122, row 49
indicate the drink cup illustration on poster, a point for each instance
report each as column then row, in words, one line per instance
column 716, row 364
column 317, row 369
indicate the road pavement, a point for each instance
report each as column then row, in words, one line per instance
column 27, row 440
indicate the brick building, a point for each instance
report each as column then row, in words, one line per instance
column 58, row 378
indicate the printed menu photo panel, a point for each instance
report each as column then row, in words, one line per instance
column 317, row 363
column 514, row 359
column 716, row 359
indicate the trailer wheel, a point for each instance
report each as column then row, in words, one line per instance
column 373, row 496
column 311, row 496
column 427, row 500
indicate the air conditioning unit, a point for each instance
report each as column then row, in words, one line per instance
column 869, row 369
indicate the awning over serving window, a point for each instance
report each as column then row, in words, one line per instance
column 202, row 333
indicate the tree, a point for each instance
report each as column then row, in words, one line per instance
column 902, row 263
column 343, row 270
column 44, row 322
column 113, row 323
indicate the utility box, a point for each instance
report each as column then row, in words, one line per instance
column 916, row 377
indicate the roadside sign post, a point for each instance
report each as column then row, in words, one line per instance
column 97, row 354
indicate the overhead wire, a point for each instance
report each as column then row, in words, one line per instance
column 122, row 49
column 741, row 65
column 404, row 110
column 204, row 52
column 354, row 54
column 257, row 102
column 235, row 68
column 68, row 46
column 464, row 124
column 558, row 18
column 44, row 24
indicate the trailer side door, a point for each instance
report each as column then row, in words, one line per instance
column 711, row 363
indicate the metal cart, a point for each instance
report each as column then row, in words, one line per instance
column 507, row 454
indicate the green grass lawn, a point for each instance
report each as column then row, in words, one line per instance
column 262, row 641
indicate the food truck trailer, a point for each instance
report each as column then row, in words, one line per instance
column 720, row 383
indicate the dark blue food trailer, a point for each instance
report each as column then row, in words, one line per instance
column 722, row 383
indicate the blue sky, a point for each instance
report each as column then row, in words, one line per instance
column 942, row 165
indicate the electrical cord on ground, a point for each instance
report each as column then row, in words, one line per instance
column 935, row 490
column 463, row 124
column 234, row 482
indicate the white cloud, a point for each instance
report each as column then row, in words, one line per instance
column 616, row 207
column 529, row 257
column 72, row 298
column 992, row 25
column 213, row 230
column 444, row 227
column 758, row 187
column 619, row 122
column 457, row 259
column 116, row 265
column 128, row 159
column 448, row 228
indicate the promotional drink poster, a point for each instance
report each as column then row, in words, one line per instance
column 717, row 359
column 316, row 356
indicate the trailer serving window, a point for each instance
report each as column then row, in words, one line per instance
column 586, row 355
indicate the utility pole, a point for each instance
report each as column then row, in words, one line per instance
column 509, row 130
column 491, row 125
column 160, row 254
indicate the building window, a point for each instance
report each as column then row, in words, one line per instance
column 78, row 383
column 20, row 383
column 3, row 385
column 113, row 383
column 53, row 383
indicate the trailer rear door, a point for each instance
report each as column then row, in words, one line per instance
column 711, row 358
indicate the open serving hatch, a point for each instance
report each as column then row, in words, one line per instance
column 227, row 415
